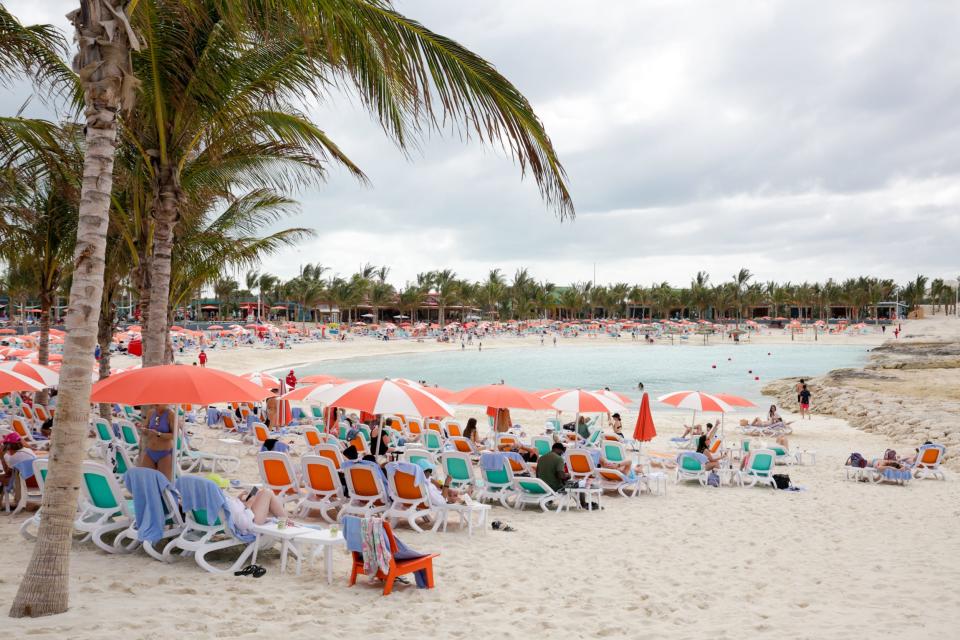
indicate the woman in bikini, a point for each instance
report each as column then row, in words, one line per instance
column 158, row 434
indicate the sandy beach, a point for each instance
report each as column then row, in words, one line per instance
column 837, row 560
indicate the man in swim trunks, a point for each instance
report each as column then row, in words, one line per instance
column 157, row 438
column 804, row 398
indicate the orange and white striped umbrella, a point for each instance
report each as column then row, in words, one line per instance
column 696, row 400
column 12, row 381
column 308, row 392
column 383, row 396
column 580, row 401
column 44, row 375
column 264, row 380
column 616, row 395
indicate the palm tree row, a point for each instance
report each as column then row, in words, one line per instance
column 522, row 297
column 186, row 129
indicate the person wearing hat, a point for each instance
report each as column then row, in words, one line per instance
column 439, row 493
column 14, row 452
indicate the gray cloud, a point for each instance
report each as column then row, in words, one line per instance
column 803, row 140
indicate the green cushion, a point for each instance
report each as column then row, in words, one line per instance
column 496, row 477
column 532, row 487
column 99, row 489
column 457, row 468
column 543, row 447
column 689, row 463
column 613, row 454
column 103, row 431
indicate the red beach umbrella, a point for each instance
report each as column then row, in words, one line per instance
column 644, row 431
column 176, row 384
column 383, row 396
column 39, row 373
column 12, row 381
column 501, row 396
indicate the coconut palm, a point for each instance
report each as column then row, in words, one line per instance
column 105, row 43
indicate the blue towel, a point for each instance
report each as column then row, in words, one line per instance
column 406, row 553
column 213, row 416
column 492, row 461
column 351, row 533
column 250, row 420
column 147, row 487
column 595, row 454
column 408, row 467
column 200, row 493
column 25, row 469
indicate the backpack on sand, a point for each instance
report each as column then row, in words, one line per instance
column 782, row 480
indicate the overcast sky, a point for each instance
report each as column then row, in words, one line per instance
column 802, row 140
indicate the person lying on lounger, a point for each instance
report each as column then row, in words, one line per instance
column 440, row 493
column 253, row 507
column 889, row 461
column 912, row 460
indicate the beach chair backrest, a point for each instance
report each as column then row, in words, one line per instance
column 103, row 430
column 434, row 425
column 20, row 427
column 320, row 474
column 432, row 441
column 361, row 443
column 614, row 452
column 542, row 444
column 579, row 462
column 261, row 432
column 276, row 471
column 364, row 482
column 690, row 462
column 717, row 443
column 535, row 486
column 312, row 437
column 40, row 468
column 332, row 453
column 229, row 422
column 413, row 426
column 42, row 414
column 461, row 444
column 507, row 440
column 454, row 428
column 406, row 488
column 245, row 412
column 762, row 462
column 120, row 461
column 930, row 455
column 129, row 412
column 28, row 412
column 457, row 466
column 128, row 432
column 100, row 487
column 595, row 437
column 412, row 455
column 498, row 477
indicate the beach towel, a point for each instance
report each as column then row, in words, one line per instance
column 25, row 468
column 199, row 493
column 376, row 547
column 595, row 454
column 352, row 534
column 492, row 461
column 147, row 487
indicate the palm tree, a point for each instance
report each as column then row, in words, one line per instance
column 445, row 285
column 411, row 299
column 700, row 292
column 105, row 44
column 225, row 290
column 740, row 280
column 381, row 294
column 491, row 291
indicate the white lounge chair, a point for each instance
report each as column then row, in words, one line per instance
column 536, row 491
column 106, row 509
column 760, row 468
column 280, row 476
column 368, row 490
column 409, row 497
column 324, row 492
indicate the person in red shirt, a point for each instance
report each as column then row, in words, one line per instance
column 291, row 380
column 202, row 358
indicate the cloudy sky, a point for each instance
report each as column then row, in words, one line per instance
column 802, row 140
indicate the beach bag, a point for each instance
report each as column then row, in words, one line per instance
column 857, row 460
column 713, row 480
column 782, row 480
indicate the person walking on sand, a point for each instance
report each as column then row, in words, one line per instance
column 804, row 398
column 202, row 358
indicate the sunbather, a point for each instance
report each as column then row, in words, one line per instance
column 439, row 493
column 889, row 461
column 704, row 448
column 617, row 425
column 692, row 430
column 14, row 452
column 158, row 435
column 254, row 507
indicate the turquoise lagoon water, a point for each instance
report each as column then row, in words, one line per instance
column 661, row 368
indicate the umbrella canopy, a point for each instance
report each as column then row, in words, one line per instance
column 734, row 401
column 384, row 396
column 644, row 431
column 501, row 396
column 8, row 332
column 44, row 375
column 12, row 381
column 321, row 378
column 580, row 401
column 696, row 400
column 263, row 380
column 619, row 397
column 176, row 384
column 308, row 392
column 440, row 392
column 214, row 327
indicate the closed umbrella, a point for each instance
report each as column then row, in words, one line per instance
column 644, row 431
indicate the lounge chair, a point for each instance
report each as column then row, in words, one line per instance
column 156, row 512
column 104, row 438
column 279, row 475
column 368, row 489
column 614, row 479
column 928, row 461
column 106, row 509
column 453, row 428
column 412, row 454
column 314, row 438
column 324, row 492
column 462, row 445
column 760, row 468
column 542, row 444
column 402, row 561
column 413, row 429
column 536, row 491
column 196, row 461
column 128, row 436
column 26, row 490
column 498, row 479
column 459, row 468
column 409, row 495
column 691, row 466
column 40, row 466
column 208, row 527
column 316, row 412
column 580, row 464
column 332, row 453
column 433, row 440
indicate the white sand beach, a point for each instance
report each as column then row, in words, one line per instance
column 837, row 560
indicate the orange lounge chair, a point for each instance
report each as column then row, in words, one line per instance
column 403, row 567
column 279, row 475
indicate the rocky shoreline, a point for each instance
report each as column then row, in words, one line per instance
column 909, row 391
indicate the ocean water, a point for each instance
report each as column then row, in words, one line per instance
column 661, row 368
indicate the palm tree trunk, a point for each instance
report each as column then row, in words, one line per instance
column 43, row 348
column 103, row 63
column 157, row 327
column 104, row 336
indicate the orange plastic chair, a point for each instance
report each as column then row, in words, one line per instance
column 397, row 569
column 278, row 475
